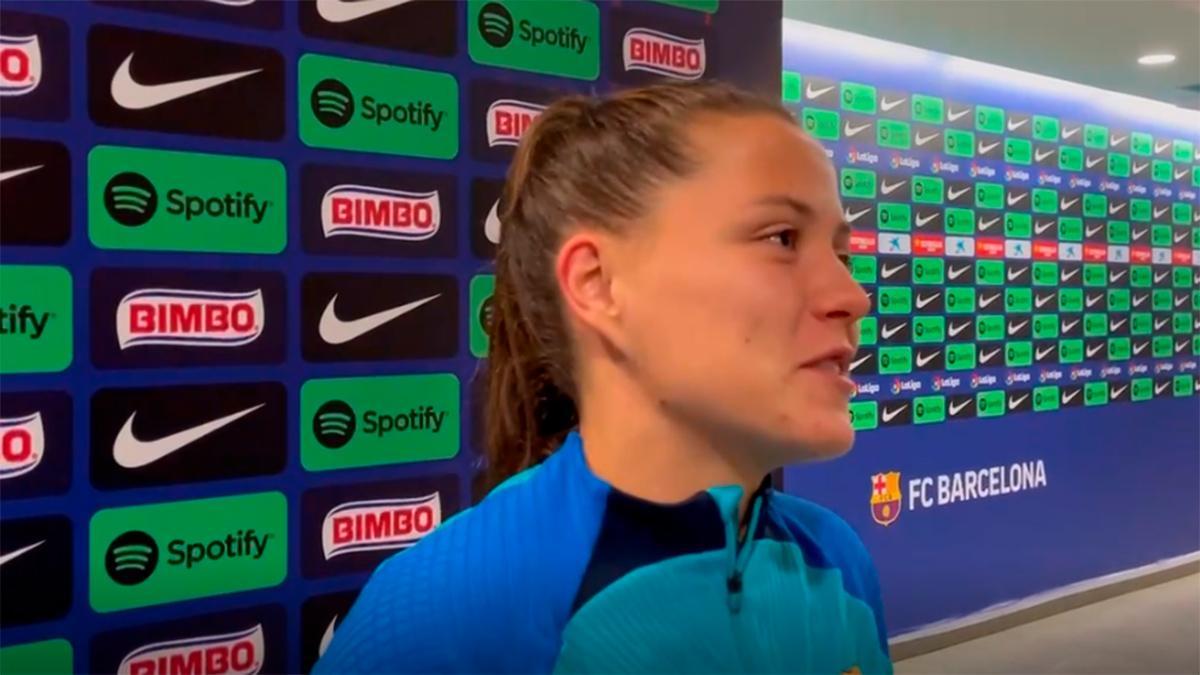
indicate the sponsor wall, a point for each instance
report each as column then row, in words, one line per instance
column 245, row 268
column 1027, row 407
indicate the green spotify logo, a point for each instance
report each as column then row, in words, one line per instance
column 373, row 107
column 482, row 288
column 555, row 37
column 369, row 421
column 160, row 200
column 36, row 323
column 150, row 555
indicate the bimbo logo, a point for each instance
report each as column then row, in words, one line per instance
column 164, row 316
column 239, row 653
column 22, row 444
column 379, row 524
column 663, row 54
column 20, row 65
column 366, row 211
column 507, row 120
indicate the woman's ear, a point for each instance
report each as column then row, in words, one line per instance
column 585, row 270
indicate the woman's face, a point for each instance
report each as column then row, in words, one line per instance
column 741, row 312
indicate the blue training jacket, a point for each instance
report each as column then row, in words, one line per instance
column 558, row 572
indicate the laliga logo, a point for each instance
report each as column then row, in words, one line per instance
column 663, row 54
column 896, row 387
column 381, row 213
column 239, row 653
column 379, row 524
column 507, row 120
column 974, row 381
column 22, row 444
column 20, row 65
column 166, row 316
column 974, row 169
column 936, row 166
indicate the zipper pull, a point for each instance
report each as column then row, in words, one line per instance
column 734, row 585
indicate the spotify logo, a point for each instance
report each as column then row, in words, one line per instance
column 332, row 103
column 131, row 558
column 496, row 24
column 485, row 314
column 130, row 199
column 334, row 424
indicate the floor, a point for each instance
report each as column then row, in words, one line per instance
column 1154, row 630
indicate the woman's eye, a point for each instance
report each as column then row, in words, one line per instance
column 786, row 238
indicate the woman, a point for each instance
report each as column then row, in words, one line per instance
column 673, row 320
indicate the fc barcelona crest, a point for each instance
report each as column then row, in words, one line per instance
column 885, row 497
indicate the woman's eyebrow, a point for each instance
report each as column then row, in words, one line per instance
column 786, row 201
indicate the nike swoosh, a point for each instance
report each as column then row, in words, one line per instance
column 1039, row 156
column 491, row 224
column 341, row 11
column 985, row 224
column 1180, row 301
column 1012, row 405
column 1159, row 324
column 889, row 331
column 1093, row 230
column 921, row 302
column 1067, row 204
column 1139, row 301
column 922, row 361
column 1094, row 161
column 1114, row 142
column 1067, row 133
column 1159, row 277
column 1013, row 330
column 987, row 356
column 1041, row 354
column 13, row 173
column 1180, row 174
column 955, row 408
column 21, row 551
column 1068, row 397
column 1018, row 125
column 1092, row 301
column 1158, row 389
column 922, row 140
column 889, row 415
column 1067, row 276
column 1117, row 325
column 1138, row 168
column 1118, row 392
column 984, row 149
column 984, row 302
column 852, row 131
column 1160, row 214
column 1013, row 277
column 922, row 220
column 952, row 195
column 133, row 95
column 1138, row 234
column 1180, row 345
column 1114, row 279
column 1181, row 236
column 955, row 115
column 1119, row 207
column 1039, row 228
column 1040, row 302
column 1159, row 148
column 131, row 452
column 335, row 331
column 1138, row 349
column 1020, row 196
column 956, row 273
column 886, row 189
column 1092, row 352
column 326, row 637
column 858, row 362
column 889, row 271
column 814, row 93
column 1069, row 325
column 851, row 217
column 886, row 105
column 955, row 330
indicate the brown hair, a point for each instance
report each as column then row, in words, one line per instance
column 585, row 159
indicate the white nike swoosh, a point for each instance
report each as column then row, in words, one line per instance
column 1093, row 352
column 326, row 637
column 1160, row 214
column 1180, row 301
column 922, row 220
column 1067, row 204
column 1180, row 237
column 1020, row 196
column 1138, row 349
column 1013, row 330
column 984, row 148
column 889, row 415
column 887, row 105
column 21, row 551
column 1013, row 277
column 1041, row 354
column 1159, row 148
column 1068, row 397
column 1038, row 155
column 1012, row 405
column 921, row 302
column 491, row 224
column 1160, row 277
column 1067, row 276
column 956, row 273
column 1138, row 168
column 1040, row 302
column 889, row 271
column 131, row 452
column 889, row 331
column 1018, row 125
column 1067, row 133
column 1112, row 279
column 1138, row 234
column 1159, row 324
column 1094, row 161
column 13, row 173
column 1118, row 208
column 1180, row 174
column 955, row 330
column 922, row 140
column 1117, row 392
column 334, row 331
column 132, row 95
column 813, row 93
column 987, row 356
column 1114, row 142
column 922, row 361
column 952, row 195
column 341, row 11
column 1180, row 345
column 1118, row 324
column 851, row 217
column 1139, row 301
column 985, row 224
column 984, row 302
column 851, row 131
column 1039, row 228
column 1069, row 325
column 886, row 188
column 858, row 362
column 1158, row 389
column 1092, row 301
column 1093, row 230
column 955, row 408
column 954, row 116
